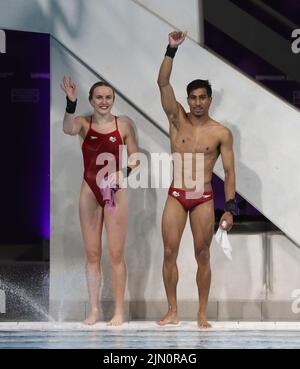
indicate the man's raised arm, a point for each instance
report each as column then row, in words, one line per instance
column 168, row 99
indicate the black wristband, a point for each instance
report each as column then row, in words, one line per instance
column 171, row 51
column 126, row 171
column 230, row 206
column 71, row 106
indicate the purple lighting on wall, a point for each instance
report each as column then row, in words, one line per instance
column 41, row 77
column 25, row 151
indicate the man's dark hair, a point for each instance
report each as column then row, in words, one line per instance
column 199, row 83
column 99, row 84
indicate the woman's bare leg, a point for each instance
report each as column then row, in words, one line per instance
column 91, row 220
column 116, row 225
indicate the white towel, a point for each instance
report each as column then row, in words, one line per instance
column 222, row 239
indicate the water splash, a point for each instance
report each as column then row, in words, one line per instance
column 22, row 294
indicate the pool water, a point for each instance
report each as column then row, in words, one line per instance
column 80, row 337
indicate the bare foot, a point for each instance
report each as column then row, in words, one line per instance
column 92, row 318
column 116, row 320
column 169, row 318
column 202, row 321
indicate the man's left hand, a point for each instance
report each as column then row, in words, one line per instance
column 227, row 218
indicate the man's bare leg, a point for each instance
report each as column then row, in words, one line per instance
column 173, row 223
column 91, row 220
column 202, row 224
column 116, row 226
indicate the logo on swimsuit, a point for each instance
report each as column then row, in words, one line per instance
column 296, row 44
column 205, row 196
column 175, row 194
column 296, row 302
column 2, row 302
column 2, row 42
column 112, row 139
column 93, row 138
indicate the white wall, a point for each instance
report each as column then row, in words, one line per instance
column 285, row 271
column 184, row 15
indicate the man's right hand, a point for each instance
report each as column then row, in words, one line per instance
column 69, row 87
column 176, row 38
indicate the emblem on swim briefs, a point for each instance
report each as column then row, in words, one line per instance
column 175, row 193
column 205, row 196
column 112, row 139
column 93, row 137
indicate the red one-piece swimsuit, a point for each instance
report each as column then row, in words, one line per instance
column 94, row 144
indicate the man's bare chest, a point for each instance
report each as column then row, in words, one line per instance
column 195, row 140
